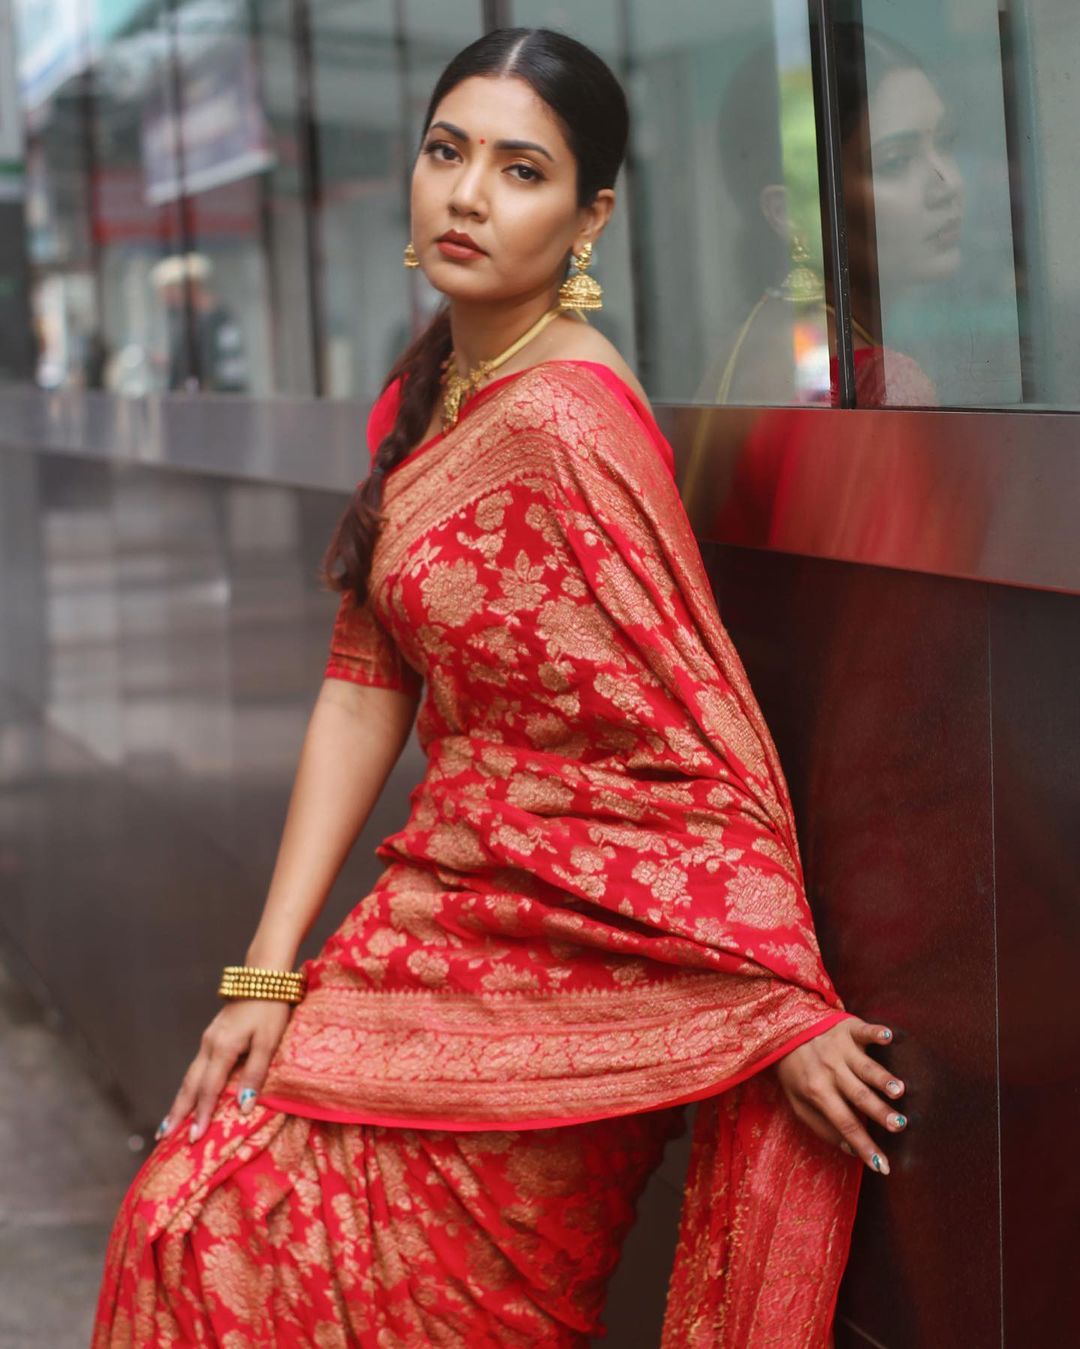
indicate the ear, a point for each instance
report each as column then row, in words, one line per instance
column 775, row 207
column 593, row 218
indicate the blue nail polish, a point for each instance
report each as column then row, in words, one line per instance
column 876, row 1162
column 900, row 1121
column 163, row 1127
column 246, row 1095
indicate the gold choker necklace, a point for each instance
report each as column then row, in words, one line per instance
column 458, row 387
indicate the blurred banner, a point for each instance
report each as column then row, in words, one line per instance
column 223, row 130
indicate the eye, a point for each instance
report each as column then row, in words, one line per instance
column 893, row 164
column 535, row 176
column 432, row 147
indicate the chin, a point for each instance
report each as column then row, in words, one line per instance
column 944, row 265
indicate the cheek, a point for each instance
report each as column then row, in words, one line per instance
column 418, row 187
column 897, row 211
column 532, row 230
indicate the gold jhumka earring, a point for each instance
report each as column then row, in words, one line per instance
column 802, row 285
column 410, row 259
column 580, row 291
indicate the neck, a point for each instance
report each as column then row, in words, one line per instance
column 480, row 332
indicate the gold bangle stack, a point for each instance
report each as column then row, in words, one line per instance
column 248, row 981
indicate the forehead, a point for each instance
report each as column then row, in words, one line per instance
column 501, row 106
column 904, row 100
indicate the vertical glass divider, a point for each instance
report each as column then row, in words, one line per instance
column 193, row 362
column 495, row 14
column 834, row 200
column 310, row 186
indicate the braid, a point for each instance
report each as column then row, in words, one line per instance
column 346, row 564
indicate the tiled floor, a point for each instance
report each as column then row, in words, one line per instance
column 65, row 1161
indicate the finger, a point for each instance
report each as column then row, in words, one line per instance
column 184, row 1098
column 847, row 1124
column 876, row 1075
column 868, row 1101
column 253, row 1075
column 872, row 1033
column 213, row 1079
column 814, row 1120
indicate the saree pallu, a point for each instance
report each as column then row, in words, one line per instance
column 595, row 911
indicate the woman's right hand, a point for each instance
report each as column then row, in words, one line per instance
column 244, row 1026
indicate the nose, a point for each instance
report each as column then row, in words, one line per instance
column 943, row 179
column 469, row 196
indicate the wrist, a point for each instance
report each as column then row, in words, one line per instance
column 270, row 956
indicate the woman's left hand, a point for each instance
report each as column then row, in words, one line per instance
column 824, row 1078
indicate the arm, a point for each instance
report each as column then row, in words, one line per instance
column 357, row 729
column 354, row 737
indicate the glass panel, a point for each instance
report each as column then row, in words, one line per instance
column 374, row 65
column 84, row 203
column 719, row 198
column 125, row 197
column 18, row 347
column 244, row 221
column 941, row 219
column 1041, row 44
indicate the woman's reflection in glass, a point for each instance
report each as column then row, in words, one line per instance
column 903, row 203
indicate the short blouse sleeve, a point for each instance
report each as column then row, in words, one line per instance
column 361, row 649
column 363, row 652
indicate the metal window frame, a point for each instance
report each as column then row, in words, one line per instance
column 834, row 218
column 309, row 168
column 495, row 14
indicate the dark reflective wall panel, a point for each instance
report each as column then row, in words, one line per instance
column 1035, row 646
column 876, row 685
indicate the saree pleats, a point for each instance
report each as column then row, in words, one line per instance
column 275, row 1230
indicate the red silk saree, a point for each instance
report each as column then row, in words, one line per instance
column 594, row 911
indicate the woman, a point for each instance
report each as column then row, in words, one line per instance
column 903, row 214
column 595, row 911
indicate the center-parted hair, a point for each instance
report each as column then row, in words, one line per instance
column 591, row 108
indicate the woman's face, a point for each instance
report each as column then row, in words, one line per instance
column 495, row 165
column 912, row 181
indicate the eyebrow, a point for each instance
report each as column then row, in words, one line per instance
column 894, row 139
column 499, row 145
column 946, row 126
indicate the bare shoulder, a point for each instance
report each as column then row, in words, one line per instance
column 586, row 343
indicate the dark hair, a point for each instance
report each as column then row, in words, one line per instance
column 864, row 57
column 591, row 107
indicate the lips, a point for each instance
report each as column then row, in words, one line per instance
column 948, row 231
column 455, row 237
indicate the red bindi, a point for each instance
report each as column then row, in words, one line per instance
column 481, row 140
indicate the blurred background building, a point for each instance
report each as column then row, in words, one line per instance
column 845, row 266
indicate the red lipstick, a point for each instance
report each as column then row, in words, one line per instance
column 454, row 244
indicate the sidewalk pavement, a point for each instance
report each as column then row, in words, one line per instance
column 65, row 1161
